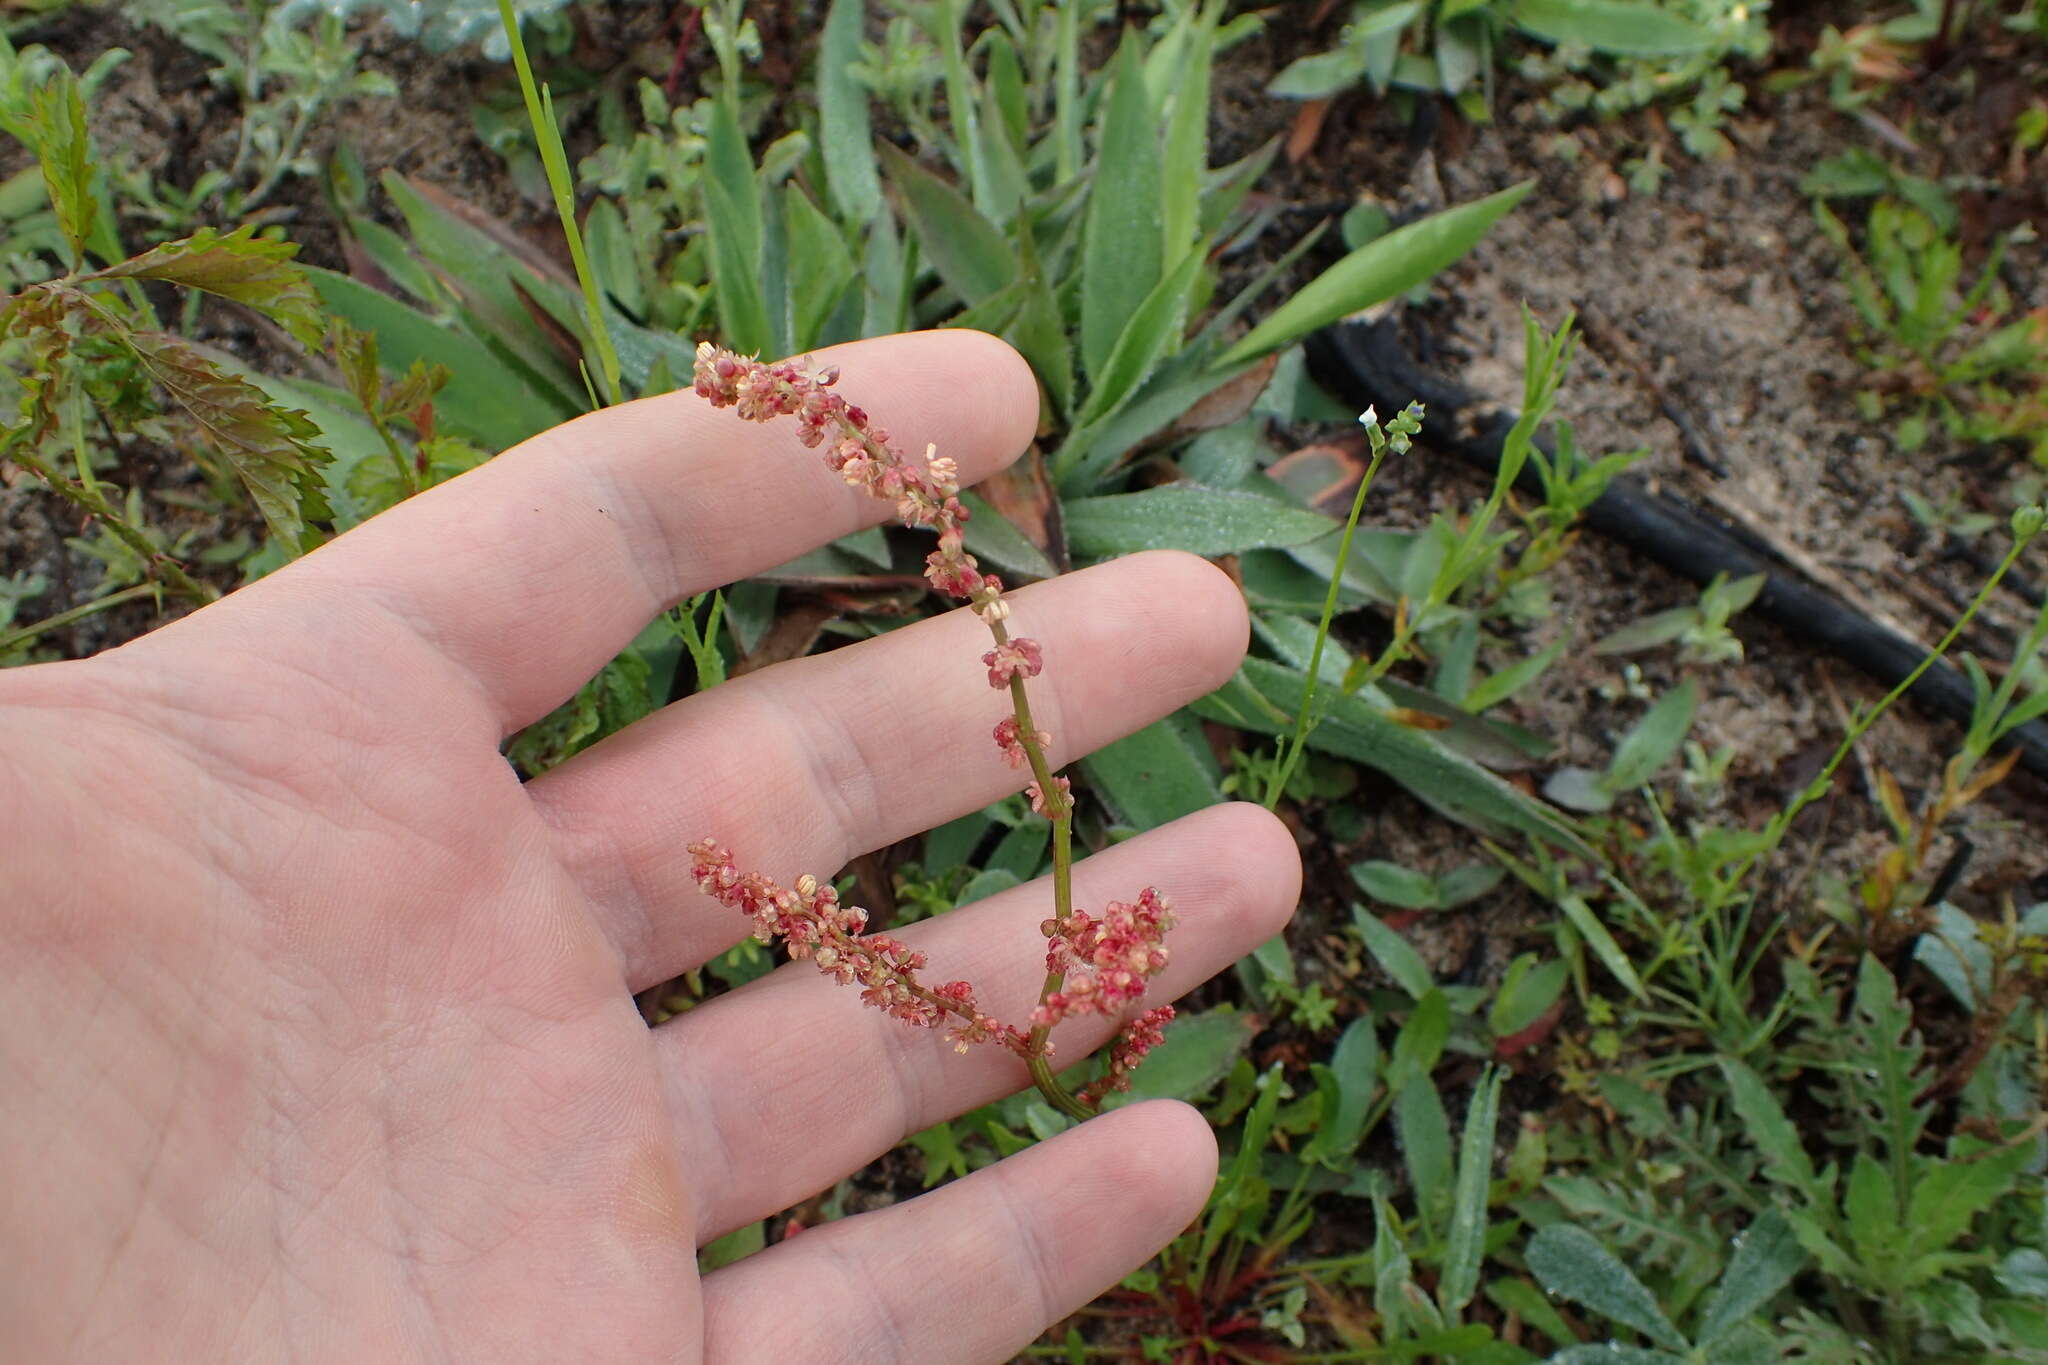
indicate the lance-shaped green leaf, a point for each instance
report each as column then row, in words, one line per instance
column 1151, row 332
column 1122, row 234
column 251, row 270
column 489, row 398
column 1158, row 774
column 1767, row 1255
column 967, row 250
column 1203, row 521
column 732, row 218
column 1357, row 729
column 1571, row 1262
column 1466, row 1239
column 1379, row 270
column 272, row 450
column 844, row 138
column 1612, row 26
column 1650, row 744
column 1198, row 1051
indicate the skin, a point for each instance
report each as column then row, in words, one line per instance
column 316, row 1037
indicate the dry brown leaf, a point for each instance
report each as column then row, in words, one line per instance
column 1308, row 126
column 1325, row 476
column 1024, row 496
column 1227, row 402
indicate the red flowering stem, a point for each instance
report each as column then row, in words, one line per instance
column 1094, row 965
column 1059, row 808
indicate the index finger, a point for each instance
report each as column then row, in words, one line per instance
column 510, row 586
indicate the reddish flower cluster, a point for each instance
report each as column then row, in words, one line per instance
column 1018, row 658
column 1094, row 966
column 760, row 391
column 1010, row 739
column 1138, row 1037
column 1037, row 795
column 812, row 922
column 1104, row 962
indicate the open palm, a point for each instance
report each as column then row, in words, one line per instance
column 316, row 1036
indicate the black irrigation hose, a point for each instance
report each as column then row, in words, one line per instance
column 1368, row 364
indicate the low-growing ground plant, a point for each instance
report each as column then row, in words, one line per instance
column 1696, row 1104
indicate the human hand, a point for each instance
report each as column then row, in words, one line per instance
column 316, row 1029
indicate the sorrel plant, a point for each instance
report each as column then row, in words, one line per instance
column 1093, row 965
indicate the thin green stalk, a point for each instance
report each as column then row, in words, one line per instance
column 547, row 136
column 89, row 499
column 1781, row 823
column 960, row 104
column 1066, row 86
column 1291, row 754
column 1060, row 811
column 21, row 635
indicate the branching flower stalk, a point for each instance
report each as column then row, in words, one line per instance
column 1093, row 965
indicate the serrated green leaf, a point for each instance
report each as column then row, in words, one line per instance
column 969, row 252
column 251, row 270
column 487, row 399
column 1572, row 1263
column 1158, row 774
column 1870, row 1210
column 1949, row 1194
column 1785, row 1158
column 1203, row 521
column 55, row 131
column 1379, row 270
column 1121, row 233
column 1612, row 26
column 274, row 451
column 845, row 140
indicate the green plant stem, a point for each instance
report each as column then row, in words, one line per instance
column 540, row 112
column 1774, row 833
column 1066, row 85
column 287, row 150
column 1060, row 811
column 21, row 635
column 89, row 499
column 1291, row 755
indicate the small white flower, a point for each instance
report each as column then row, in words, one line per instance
column 1370, row 417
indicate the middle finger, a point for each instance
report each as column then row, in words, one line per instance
column 811, row 762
